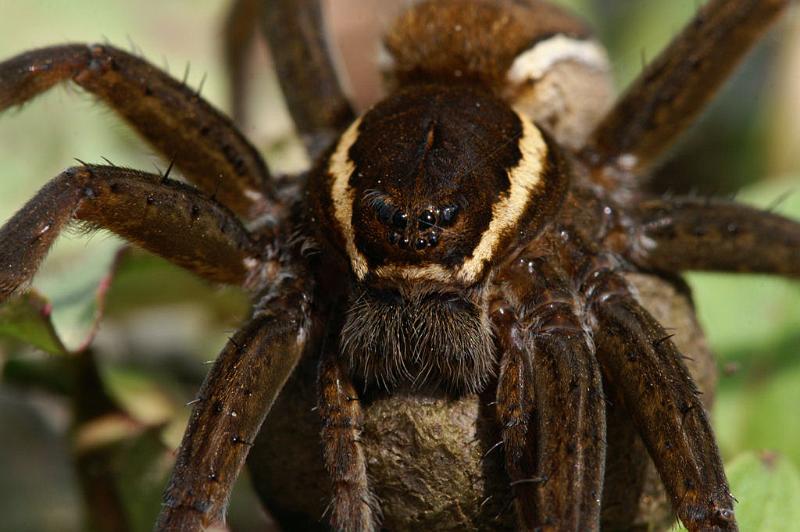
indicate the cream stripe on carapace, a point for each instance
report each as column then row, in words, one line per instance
column 524, row 178
column 533, row 63
column 428, row 272
column 342, row 196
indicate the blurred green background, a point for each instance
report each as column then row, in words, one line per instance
column 160, row 324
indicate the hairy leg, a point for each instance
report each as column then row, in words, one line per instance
column 669, row 94
column 515, row 403
column 691, row 234
column 233, row 402
column 353, row 507
column 295, row 31
column 241, row 27
column 640, row 361
column 200, row 140
column 626, row 468
column 568, row 417
column 162, row 216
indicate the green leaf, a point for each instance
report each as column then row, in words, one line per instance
column 747, row 311
column 143, row 280
column 67, row 320
column 28, row 318
column 139, row 396
column 143, row 468
column 76, row 283
column 767, row 488
column 753, row 414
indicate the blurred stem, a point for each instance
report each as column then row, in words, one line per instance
column 93, row 406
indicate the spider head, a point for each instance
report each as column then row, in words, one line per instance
column 436, row 184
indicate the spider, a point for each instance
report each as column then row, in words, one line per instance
column 469, row 234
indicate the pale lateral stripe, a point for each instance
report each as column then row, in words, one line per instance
column 341, row 167
column 429, row 272
column 524, row 178
column 533, row 63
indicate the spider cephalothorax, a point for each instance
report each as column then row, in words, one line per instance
column 426, row 195
column 474, row 233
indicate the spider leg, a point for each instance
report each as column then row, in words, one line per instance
column 353, row 507
column 200, row 140
column 691, row 234
column 626, row 467
column 241, row 26
column 515, row 403
column 233, row 402
column 672, row 90
column 296, row 35
column 548, row 357
column 640, row 361
column 165, row 217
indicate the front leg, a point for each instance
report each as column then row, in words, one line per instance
column 353, row 507
column 233, row 402
column 641, row 362
column 691, row 234
column 186, row 129
column 550, row 400
column 672, row 90
column 295, row 30
column 165, row 217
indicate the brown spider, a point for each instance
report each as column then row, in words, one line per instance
column 441, row 242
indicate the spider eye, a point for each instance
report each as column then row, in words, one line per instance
column 448, row 215
column 433, row 238
column 427, row 219
column 385, row 213
column 400, row 220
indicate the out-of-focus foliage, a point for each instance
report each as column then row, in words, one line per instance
column 121, row 405
column 768, row 488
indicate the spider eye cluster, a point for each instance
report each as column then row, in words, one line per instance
column 424, row 234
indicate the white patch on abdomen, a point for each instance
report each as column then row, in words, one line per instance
column 533, row 63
